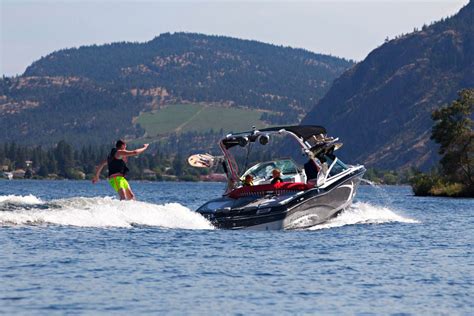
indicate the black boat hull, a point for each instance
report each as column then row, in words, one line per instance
column 295, row 211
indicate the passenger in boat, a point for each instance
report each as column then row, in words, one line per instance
column 248, row 181
column 117, row 165
column 276, row 173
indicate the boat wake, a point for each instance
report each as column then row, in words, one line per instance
column 364, row 213
column 96, row 212
column 18, row 210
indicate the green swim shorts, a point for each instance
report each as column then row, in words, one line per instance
column 118, row 183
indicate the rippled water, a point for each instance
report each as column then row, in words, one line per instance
column 70, row 247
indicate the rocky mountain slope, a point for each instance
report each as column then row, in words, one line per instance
column 381, row 108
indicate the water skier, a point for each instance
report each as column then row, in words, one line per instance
column 117, row 164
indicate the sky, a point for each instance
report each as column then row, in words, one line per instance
column 349, row 29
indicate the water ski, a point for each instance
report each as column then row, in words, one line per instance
column 202, row 160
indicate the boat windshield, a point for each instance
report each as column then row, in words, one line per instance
column 280, row 152
column 263, row 170
column 335, row 164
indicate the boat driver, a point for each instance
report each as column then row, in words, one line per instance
column 276, row 173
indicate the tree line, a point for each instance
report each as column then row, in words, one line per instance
column 63, row 161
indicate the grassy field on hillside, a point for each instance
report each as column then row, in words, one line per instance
column 181, row 118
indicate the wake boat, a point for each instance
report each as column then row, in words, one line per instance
column 310, row 192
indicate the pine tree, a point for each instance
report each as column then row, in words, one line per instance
column 65, row 158
column 178, row 165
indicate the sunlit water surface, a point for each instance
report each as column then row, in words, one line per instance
column 70, row 247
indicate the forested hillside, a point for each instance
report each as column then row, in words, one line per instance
column 96, row 94
column 381, row 108
column 44, row 110
column 197, row 67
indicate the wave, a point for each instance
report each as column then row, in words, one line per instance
column 365, row 213
column 108, row 212
column 23, row 199
column 97, row 212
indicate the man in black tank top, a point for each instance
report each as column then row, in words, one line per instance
column 117, row 164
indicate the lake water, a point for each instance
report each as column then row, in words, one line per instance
column 69, row 247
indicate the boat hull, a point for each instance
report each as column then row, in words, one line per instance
column 301, row 210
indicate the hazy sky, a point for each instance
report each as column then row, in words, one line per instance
column 350, row 29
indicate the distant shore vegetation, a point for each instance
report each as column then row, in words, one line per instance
column 390, row 177
column 453, row 131
column 65, row 162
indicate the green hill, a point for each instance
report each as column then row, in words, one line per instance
column 95, row 94
column 182, row 118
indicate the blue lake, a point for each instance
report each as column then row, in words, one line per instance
column 69, row 247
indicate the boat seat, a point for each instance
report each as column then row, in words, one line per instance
column 264, row 189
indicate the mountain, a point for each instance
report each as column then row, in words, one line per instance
column 95, row 94
column 381, row 108
column 44, row 110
